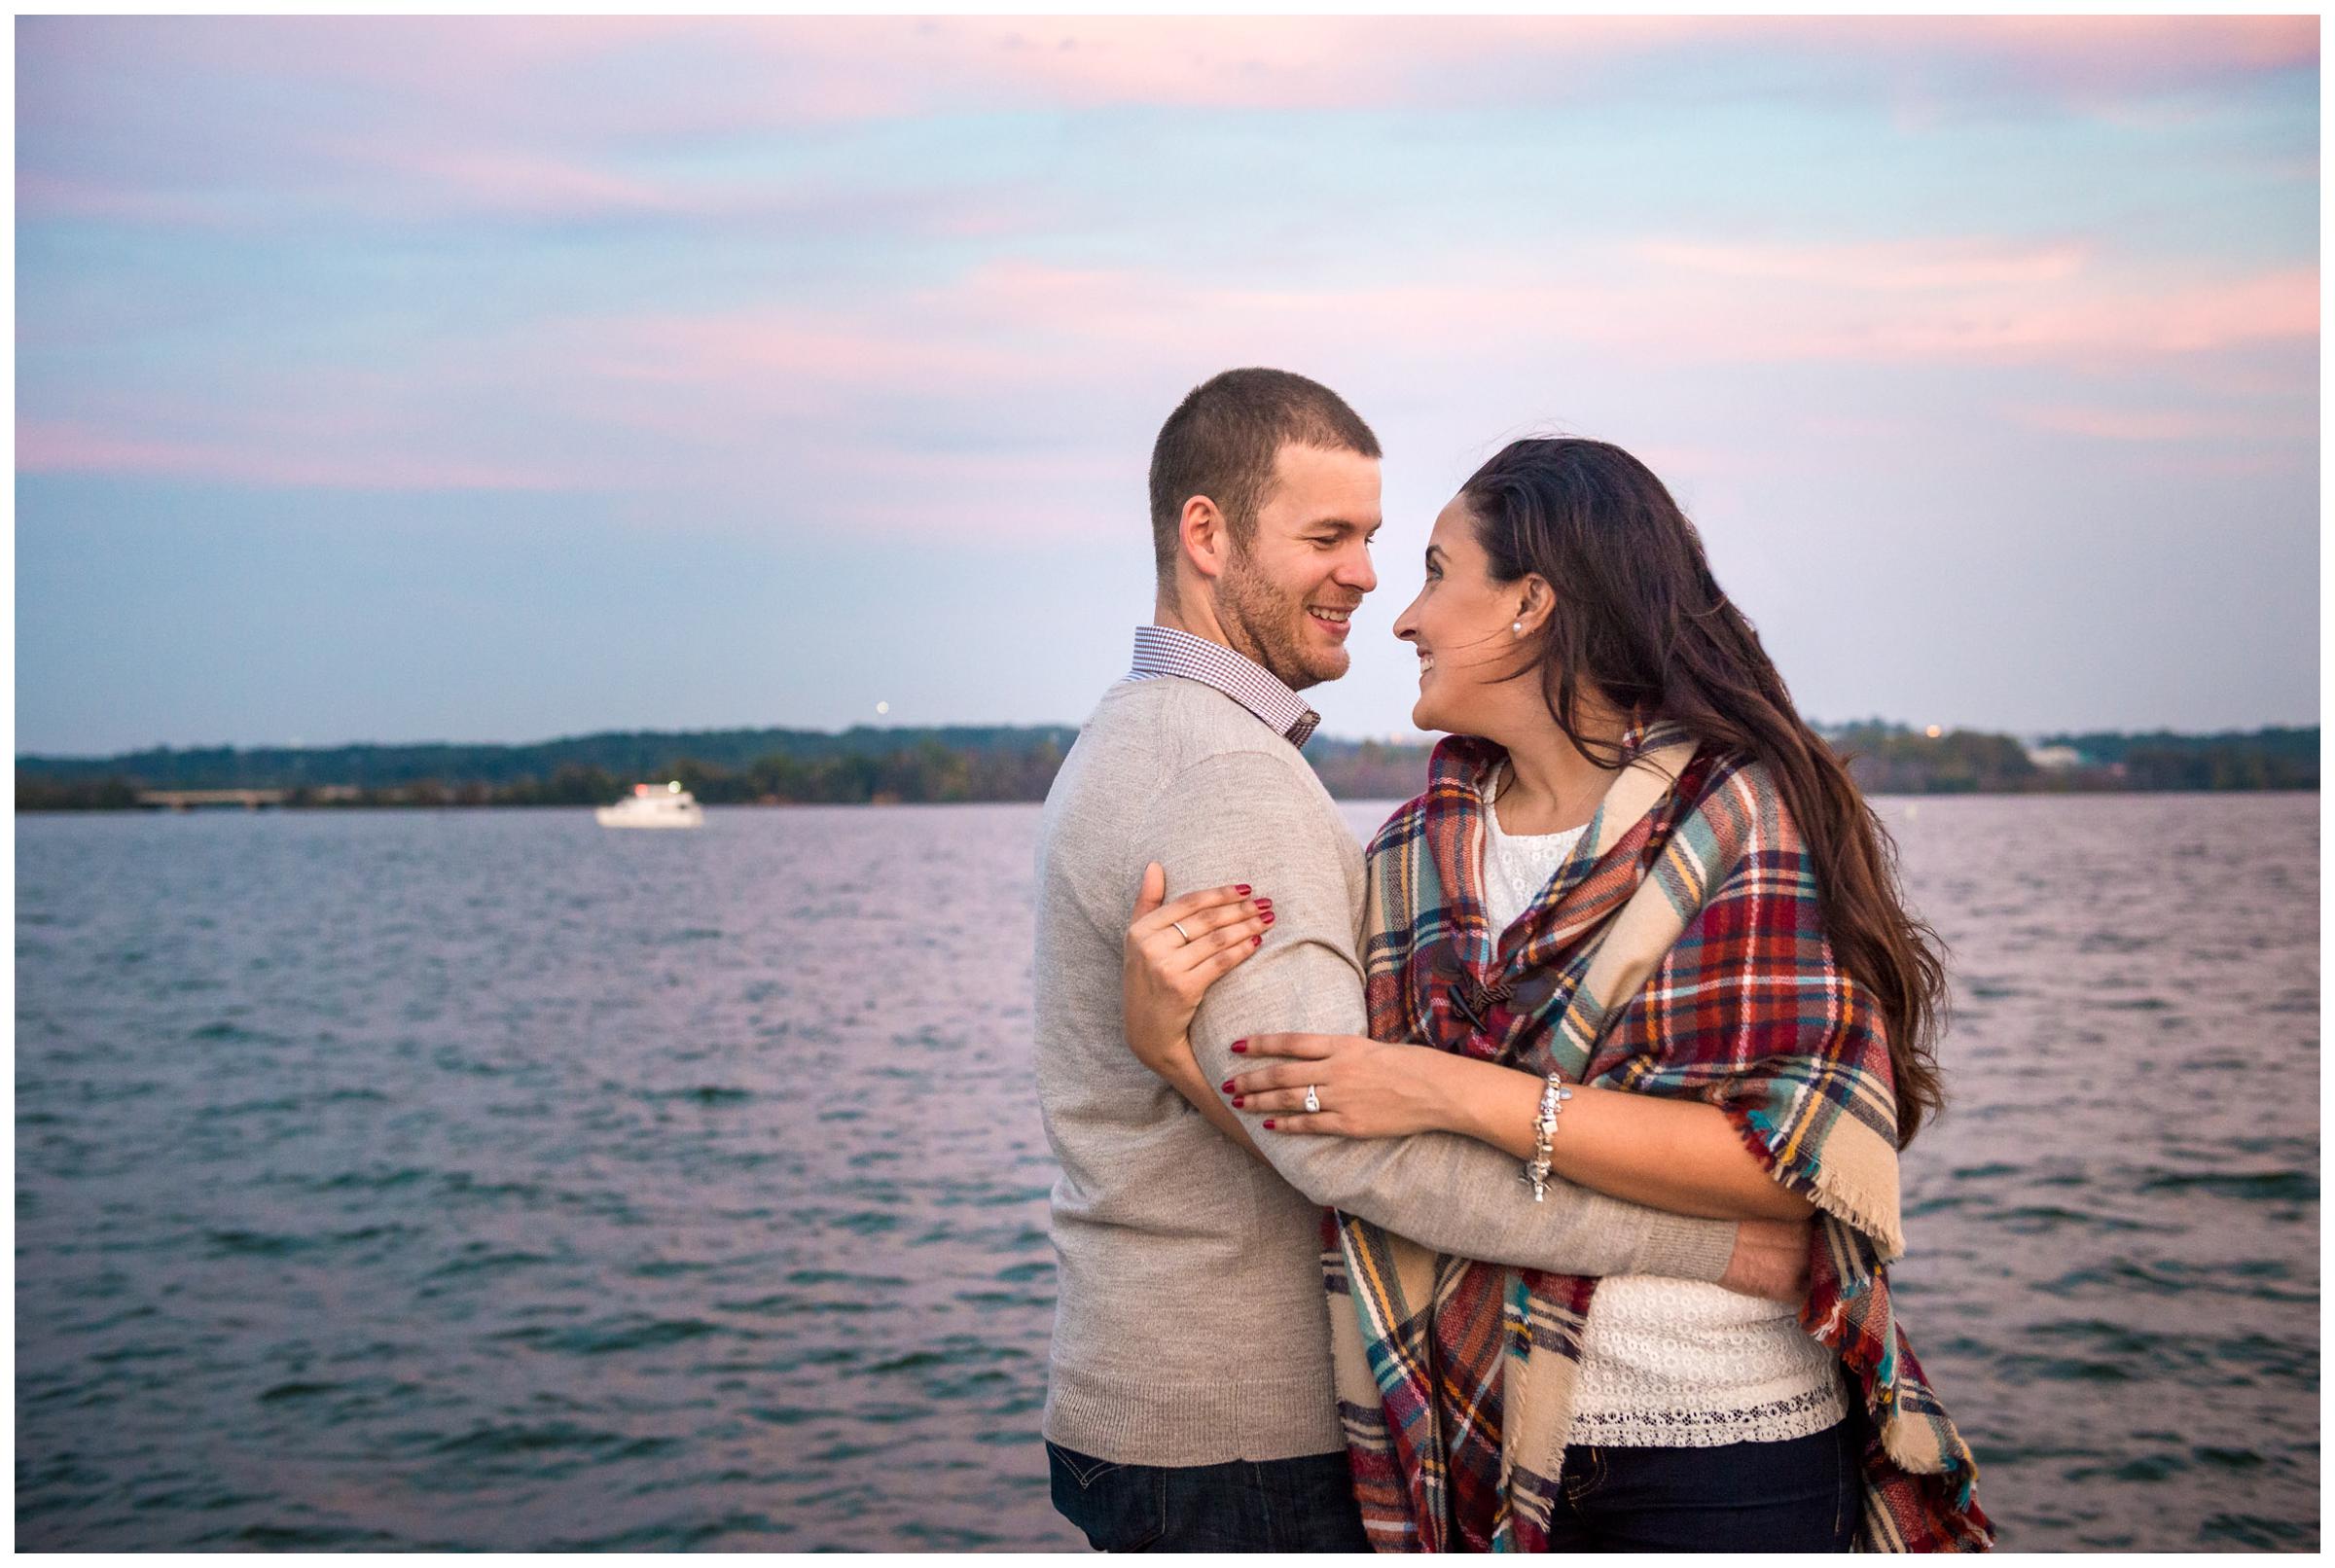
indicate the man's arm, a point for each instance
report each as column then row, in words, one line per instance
column 1245, row 817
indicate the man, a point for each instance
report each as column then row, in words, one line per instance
column 1189, row 1402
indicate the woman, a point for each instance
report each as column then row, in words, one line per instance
column 1653, row 933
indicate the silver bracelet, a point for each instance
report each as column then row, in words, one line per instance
column 1552, row 1095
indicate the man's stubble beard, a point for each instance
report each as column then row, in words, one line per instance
column 1254, row 610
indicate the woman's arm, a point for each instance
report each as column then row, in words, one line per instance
column 1672, row 1155
column 1677, row 1155
column 1167, row 970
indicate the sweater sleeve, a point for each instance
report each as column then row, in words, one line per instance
column 1248, row 817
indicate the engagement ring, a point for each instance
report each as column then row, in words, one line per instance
column 1313, row 1100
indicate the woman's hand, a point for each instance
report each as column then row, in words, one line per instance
column 1366, row 1088
column 1168, row 970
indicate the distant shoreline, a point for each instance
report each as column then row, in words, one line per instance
column 1005, row 765
column 350, row 808
column 941, row 806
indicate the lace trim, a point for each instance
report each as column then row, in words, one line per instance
column 1796, row 1416
column 1517, row 866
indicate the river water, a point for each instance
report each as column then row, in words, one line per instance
column 489, row 1179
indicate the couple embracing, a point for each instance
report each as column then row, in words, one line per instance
column 1530, row 1182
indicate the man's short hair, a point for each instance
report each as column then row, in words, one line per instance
column 1221, row 442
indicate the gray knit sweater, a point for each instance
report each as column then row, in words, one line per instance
column 1191, row 1326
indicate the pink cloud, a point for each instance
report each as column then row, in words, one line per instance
column 53, row 447
column 2121, row 424
column 1316, row 61
column 861, row 67
column 1961, row 303
column 834, row 399
column 510, row 181
column 1885, row 266
column 413, row 119
column 2095, row 55
column 807, row 347
column 1016, row 331
column 2092, row 321
column 2154, row 425
column 500, row 81
column 52, row 195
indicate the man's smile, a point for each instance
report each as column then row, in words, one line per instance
column 1335, row 620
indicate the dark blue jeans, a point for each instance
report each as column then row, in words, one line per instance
column 1801, row 1495
column 1274, row 1505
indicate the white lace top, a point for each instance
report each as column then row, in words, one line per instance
column 1670, row 1363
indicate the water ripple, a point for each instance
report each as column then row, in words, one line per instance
column 481, row 1180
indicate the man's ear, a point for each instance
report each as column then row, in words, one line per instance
column 1204, row 536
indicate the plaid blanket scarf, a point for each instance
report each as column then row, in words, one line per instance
column 1679, row 950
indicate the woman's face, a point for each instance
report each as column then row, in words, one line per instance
column 1463, row 625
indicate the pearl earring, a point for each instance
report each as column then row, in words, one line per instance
column 1516, row 627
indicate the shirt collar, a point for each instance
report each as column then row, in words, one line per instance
column 1166, row 651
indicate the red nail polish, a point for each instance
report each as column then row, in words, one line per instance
column 1228, row 1086
column 1256, row 939
column 1269, row 917
column 1269, row 1124
column 1264, row 903
column 1240, row 887
column 1241, row 1045
column 1239, row 1100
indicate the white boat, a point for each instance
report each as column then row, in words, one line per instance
column 653, row 805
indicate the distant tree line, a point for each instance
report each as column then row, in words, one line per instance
column 934, row 766
column 111, row 794
column 2275, row 759
column 927, row 774
column 1889, row 759
column 629, row 755
column 1894, row 760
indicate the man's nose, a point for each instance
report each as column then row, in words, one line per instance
column 1356, row 572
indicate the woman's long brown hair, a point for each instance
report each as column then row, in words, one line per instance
column 1640, row 626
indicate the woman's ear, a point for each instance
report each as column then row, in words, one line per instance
column 1537, row 603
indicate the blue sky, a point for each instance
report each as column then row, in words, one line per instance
column 419, row 379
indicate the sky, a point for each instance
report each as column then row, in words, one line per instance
column 409, row 378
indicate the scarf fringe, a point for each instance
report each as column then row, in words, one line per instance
column 1817, row 1184
column 1901, row 1439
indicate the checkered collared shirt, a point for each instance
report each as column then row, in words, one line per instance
column 1165, row 651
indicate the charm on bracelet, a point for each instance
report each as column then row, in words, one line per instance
column 1552, row 1095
